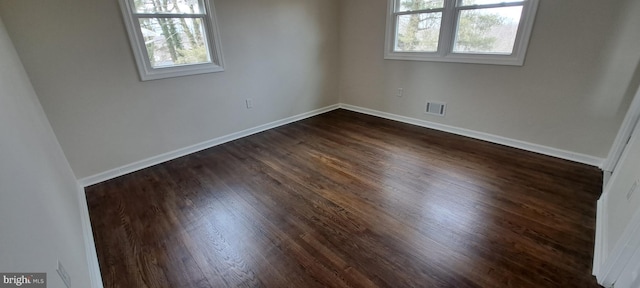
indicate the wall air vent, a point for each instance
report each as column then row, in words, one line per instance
column 434, row 108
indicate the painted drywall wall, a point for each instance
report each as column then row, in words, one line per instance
column 560, row 98
column 38, row 192
column 281, row 53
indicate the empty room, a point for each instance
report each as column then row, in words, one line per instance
column 319, row 143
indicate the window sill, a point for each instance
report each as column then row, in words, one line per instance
column 179, row 71
column 507, row 60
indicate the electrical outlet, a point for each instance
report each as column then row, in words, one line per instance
column 249, row 103
column 400, row 92
column 64, row 275
column 633, row 190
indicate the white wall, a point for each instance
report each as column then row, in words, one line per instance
column 561, row 98
column 281, row 53
column 38, row 192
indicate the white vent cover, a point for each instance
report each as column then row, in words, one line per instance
column 436, row 108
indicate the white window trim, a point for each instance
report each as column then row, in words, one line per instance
column 147, row 72
column 447, row 31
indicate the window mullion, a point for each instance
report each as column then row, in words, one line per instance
column 447, row 30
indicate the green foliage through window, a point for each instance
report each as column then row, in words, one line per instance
column 172, row 41
column 415, row 5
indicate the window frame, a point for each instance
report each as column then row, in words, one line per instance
column 145, row 69
column 448, row 27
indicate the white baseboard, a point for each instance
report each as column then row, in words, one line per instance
column 606, row 176
column 563, row 154
column 126, row 169
column 541, row 149
column 89, row 244
column 598, row 249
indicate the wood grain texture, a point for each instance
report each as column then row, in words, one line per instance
column 348, row 200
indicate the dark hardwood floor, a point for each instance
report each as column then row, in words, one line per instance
column 349, row 200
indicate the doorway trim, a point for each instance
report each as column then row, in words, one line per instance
column 624, row 134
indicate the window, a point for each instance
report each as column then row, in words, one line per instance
column 468, row 31
column 172, row 38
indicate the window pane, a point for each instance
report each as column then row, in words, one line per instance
column 413, row 5
column 175, row 41
column 487, row 31
column 168, row 6
column 418, row 32
column 484, row 2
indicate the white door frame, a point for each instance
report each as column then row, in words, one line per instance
column 624, row 134
column 608, row 268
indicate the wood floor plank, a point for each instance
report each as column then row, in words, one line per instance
column 348, row 200
column 373, row 211
column 457, row 204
